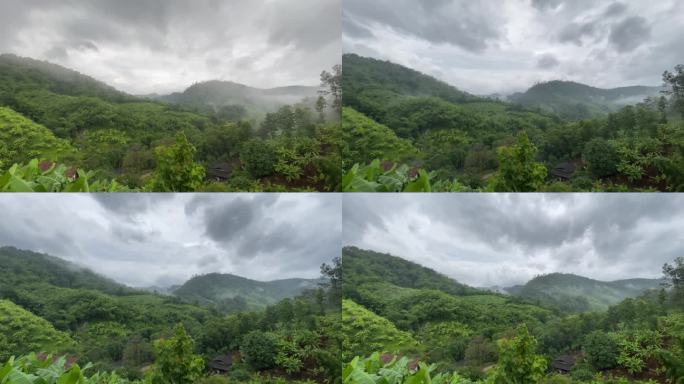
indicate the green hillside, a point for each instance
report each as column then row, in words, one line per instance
column 22, row 332
column 362, row 266
column 577, row 101
column 233, row 293
column 21, row 73
column 455, row 142
column 365, row 332
column 21, row 267
column 577, row 294
column 22, row 140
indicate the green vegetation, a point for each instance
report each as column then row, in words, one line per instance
column 572, row 293
column 447, row 140
column 574, row 101
column 50, row 306
column 405, row 315
column 230, row 293
column 57, row 115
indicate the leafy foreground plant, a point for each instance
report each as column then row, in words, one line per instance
column 34, row 369
column 383, row 177
column 397, row 371
column 50, row 177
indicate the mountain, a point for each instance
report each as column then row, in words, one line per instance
column 22, row 73
column 572, row 100
column 222, row 93
column 361, row 266
column 579, row 294
column 20, row 267
column 364, row 74
column 233, row 293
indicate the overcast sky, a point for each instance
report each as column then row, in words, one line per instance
column 507, row 45
column 504, row 239
column 164, row 239
column 145, row 46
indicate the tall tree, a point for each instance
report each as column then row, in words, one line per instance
column 674, row 278
column 674, row 81
column 332, row 83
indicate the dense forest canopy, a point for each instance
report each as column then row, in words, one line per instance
column 552, row 138
column 216, row 136
column 413, row 330
column 52, row 307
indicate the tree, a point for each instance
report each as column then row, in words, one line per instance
column 321, row 105
column 518, row 170
column 258, row 157
column 176, row 170
column 518, row 363
column 332, row 82
column 333, row 272
column 674, row 81
column 233, row 113
column 176, row 363
column 601, row 350
column 662, row 109
column 674, row 278
column 260, row 349
column 601, row 157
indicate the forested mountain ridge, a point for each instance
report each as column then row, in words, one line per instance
column 574, row 293
column 236, row 291
column 400, row 140
column 23, row 73
column 216, row 94
column 123, row 142
column 25, row 267
column 578, row 101
column 363, row 266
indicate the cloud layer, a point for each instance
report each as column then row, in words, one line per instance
column 164, row 239
column 508, row 45
column 506, row 239
column 145, row 46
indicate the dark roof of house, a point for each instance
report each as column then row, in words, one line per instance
column 221, row 363
column 220, row 171
column 564, row 363
column 563, row 170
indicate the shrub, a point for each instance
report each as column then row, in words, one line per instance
column 601, row 349
column 260, row 349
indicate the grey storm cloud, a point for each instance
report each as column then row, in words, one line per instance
column 161, row 239
column 144, row 46
column 547, row 61
column 469, row 25
column 486, row 47
column 630, row 33
column 506, row 239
